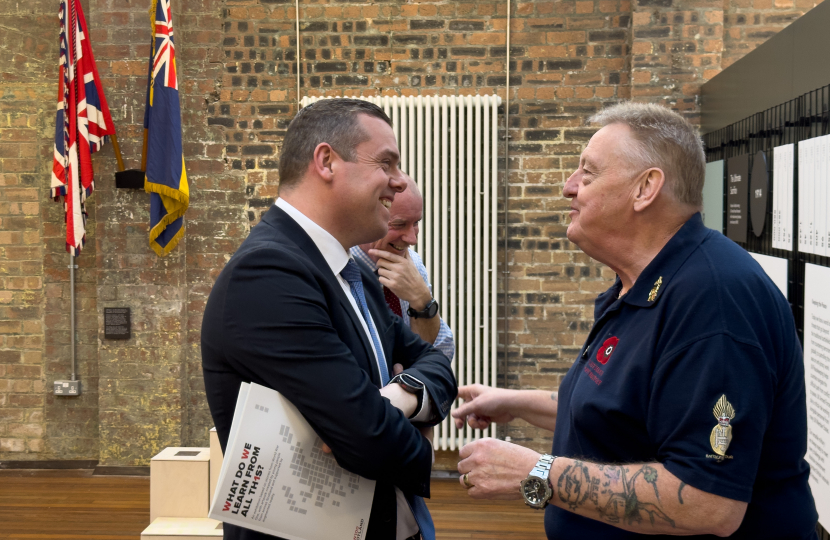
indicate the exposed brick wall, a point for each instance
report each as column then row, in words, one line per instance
column 748, row 23
column 575, row 58
column 24, row 98
column 676, row 48
column 237, row 71
column 150, row 392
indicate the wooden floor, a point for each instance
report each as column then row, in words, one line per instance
column 76, row 505
column 458, row 516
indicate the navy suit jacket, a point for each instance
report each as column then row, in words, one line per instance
column 277, row 316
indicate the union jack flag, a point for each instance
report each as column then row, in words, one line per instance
column 166, row 177
column 164, row 62
column 82, row 125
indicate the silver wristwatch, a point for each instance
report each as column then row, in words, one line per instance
column 536, row 488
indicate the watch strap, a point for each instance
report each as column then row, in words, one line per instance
column 542, row 468
column 424, row 313
column 540, row 472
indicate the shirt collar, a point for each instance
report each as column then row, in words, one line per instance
column 358, row 253
column 654, row 279
column 333, row 252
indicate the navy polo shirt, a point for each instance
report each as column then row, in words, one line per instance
column 701, row 322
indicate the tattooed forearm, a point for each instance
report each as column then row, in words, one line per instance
column 679, row 491
column 575, row 485
column 613, row 492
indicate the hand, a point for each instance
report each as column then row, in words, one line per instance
column 482, row 405
column 400, row 275
column 495, row 468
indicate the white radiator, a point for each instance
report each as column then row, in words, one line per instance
column 449, row 146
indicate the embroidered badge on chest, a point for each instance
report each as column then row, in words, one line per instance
column 721, row 434
column 608, row 347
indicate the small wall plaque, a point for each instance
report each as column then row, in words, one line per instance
column 117, row 323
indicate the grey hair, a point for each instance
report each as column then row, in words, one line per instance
column 333, row 121
column 663, row 139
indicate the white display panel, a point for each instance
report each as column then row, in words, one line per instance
column 820, row 199
column 782, row 203
column 820, row 207
column 814, row 195
column 817, row 374
column 804, row 174
column 776, row 269
column 713, row 196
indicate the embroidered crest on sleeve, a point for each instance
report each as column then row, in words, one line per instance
column 722, row 433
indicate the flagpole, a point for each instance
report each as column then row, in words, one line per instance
column 82, row 124
column 72, row 267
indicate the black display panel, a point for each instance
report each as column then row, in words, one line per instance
column 737, row 180
column 758, row 193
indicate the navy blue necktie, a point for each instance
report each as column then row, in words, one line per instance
column 422, row 517
column 351, row 273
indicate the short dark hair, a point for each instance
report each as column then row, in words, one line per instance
column 333, row 121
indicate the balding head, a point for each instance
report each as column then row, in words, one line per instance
column 404, row 222
column 411, row 191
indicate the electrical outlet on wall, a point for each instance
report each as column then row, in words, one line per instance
column 67, row 388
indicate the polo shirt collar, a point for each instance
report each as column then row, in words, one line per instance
column 655, row 278
column 333, row 252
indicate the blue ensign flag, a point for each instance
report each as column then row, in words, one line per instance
column 166, row 179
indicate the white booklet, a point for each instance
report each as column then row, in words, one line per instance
column 276, row 479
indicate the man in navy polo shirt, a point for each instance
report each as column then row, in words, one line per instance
column 685, row 413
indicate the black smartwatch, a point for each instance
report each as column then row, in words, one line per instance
column 429, row 311
column 413, row 386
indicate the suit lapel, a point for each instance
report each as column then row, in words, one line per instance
column 364, row 339
column 282, row 222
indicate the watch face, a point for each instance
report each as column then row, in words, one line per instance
column 536, row 492
column 430, row 311
column 410, row 383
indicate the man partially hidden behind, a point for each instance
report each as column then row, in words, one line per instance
column 685, row 412
column 402, row 273
column 293, row 312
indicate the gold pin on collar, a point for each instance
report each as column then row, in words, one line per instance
column 652, row 295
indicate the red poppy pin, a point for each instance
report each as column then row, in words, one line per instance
column 604, row 352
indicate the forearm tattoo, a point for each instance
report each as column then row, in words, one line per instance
column 613, row 492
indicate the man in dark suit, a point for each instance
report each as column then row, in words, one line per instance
column 293, row 312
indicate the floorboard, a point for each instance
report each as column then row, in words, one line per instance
column 86, row 507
